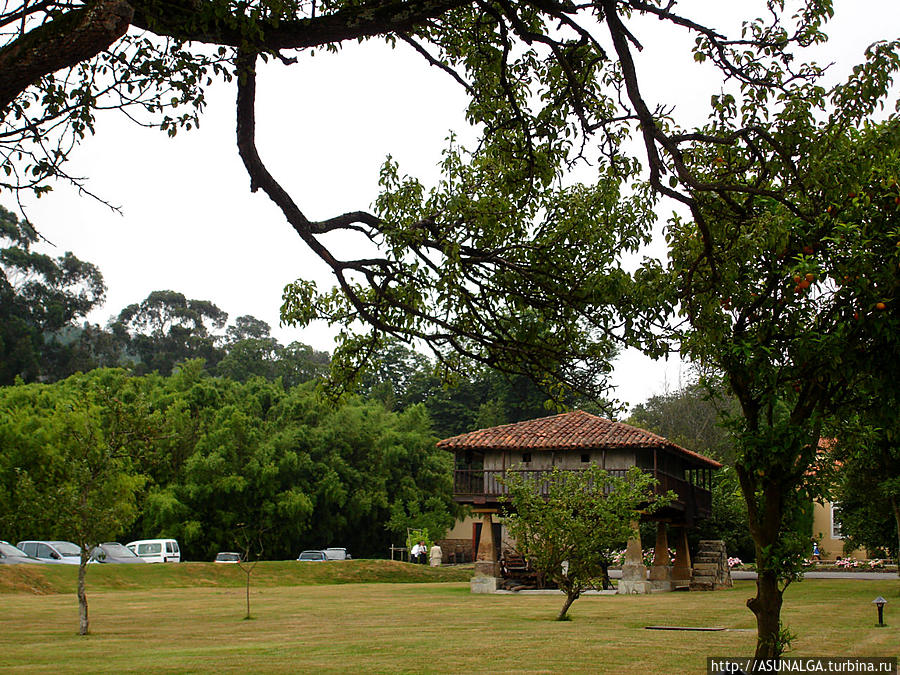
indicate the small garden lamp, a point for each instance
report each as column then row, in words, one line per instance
column 880, row 602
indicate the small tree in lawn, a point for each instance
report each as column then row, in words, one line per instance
column 250, row 542
column 568, row 524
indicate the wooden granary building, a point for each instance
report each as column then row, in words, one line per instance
column 572, row 442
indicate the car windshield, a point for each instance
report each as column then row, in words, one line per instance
column 10, row 551
column 67, row 548
column 117, row 551
column 312, row 555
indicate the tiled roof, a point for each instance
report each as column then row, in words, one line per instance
column 576, row 430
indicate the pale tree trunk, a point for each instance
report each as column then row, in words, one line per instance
column 83, row 625
column 248, row 596
column 895, row 503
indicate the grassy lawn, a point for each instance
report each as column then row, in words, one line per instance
column 381, row 627
column 44, row 579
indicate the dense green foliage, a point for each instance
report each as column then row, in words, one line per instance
column 865, row 467
column 206, row 454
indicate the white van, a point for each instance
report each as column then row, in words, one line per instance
column 156, row 550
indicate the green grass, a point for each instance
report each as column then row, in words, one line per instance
column 424, row 627
column 44, row 579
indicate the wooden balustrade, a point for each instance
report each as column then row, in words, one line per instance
column 484, row 485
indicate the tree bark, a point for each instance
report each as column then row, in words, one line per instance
column 895, row 503
column 767, row 608
column 248, row 596
column 65, row 41
column 83, row 625
column 570, row 598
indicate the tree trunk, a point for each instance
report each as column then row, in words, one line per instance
column 895, row 503
column 605, row 583
column 767, row 608
column 83, row 626
column 570, row 598
column 248, row 596
column 765, row 528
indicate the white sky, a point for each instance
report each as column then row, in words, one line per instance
column 324, row 127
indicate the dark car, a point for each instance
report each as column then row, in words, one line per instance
column 10, row 555
column 312, row 556
column 114, row 552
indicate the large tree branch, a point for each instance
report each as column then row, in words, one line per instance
column 349, row 23
column 72, row 37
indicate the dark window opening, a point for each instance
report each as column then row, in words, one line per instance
column 526, row 457
column 585, row 458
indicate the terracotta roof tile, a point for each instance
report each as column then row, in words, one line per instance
column 569, row 431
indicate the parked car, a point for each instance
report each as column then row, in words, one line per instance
column 114, row 552
column 156, row 550
column 228, row 557
column 58, row 552
column 337, row 554
column 10, row 555
column 310, row 556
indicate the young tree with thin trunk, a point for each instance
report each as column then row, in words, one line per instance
column 250, row 543
column 569, row 524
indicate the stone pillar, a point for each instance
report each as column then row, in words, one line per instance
column 487, row 568
column 660, row 572
column 634, row 572
column 681, row 570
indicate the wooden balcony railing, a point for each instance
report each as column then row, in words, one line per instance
column 483, row 485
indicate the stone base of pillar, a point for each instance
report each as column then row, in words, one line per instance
column 661, row 578
column 633, row 587
column 634, row 572
column 482, row 584
column 634, row 579
column 487, row 568
column 681, row 576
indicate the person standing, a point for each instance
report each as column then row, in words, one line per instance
column 417, row 554
column 435, row 555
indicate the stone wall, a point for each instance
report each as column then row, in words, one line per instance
column 711, row 570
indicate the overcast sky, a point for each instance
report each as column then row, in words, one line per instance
column 324, row 126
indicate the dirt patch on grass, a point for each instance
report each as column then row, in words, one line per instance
column 26, row 579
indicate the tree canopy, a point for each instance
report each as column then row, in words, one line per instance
column 39, row 297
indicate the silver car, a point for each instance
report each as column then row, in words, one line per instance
column 58, row 552
column 10, row 555
column 313, row 556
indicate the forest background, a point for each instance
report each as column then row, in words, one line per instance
column 230, row 428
